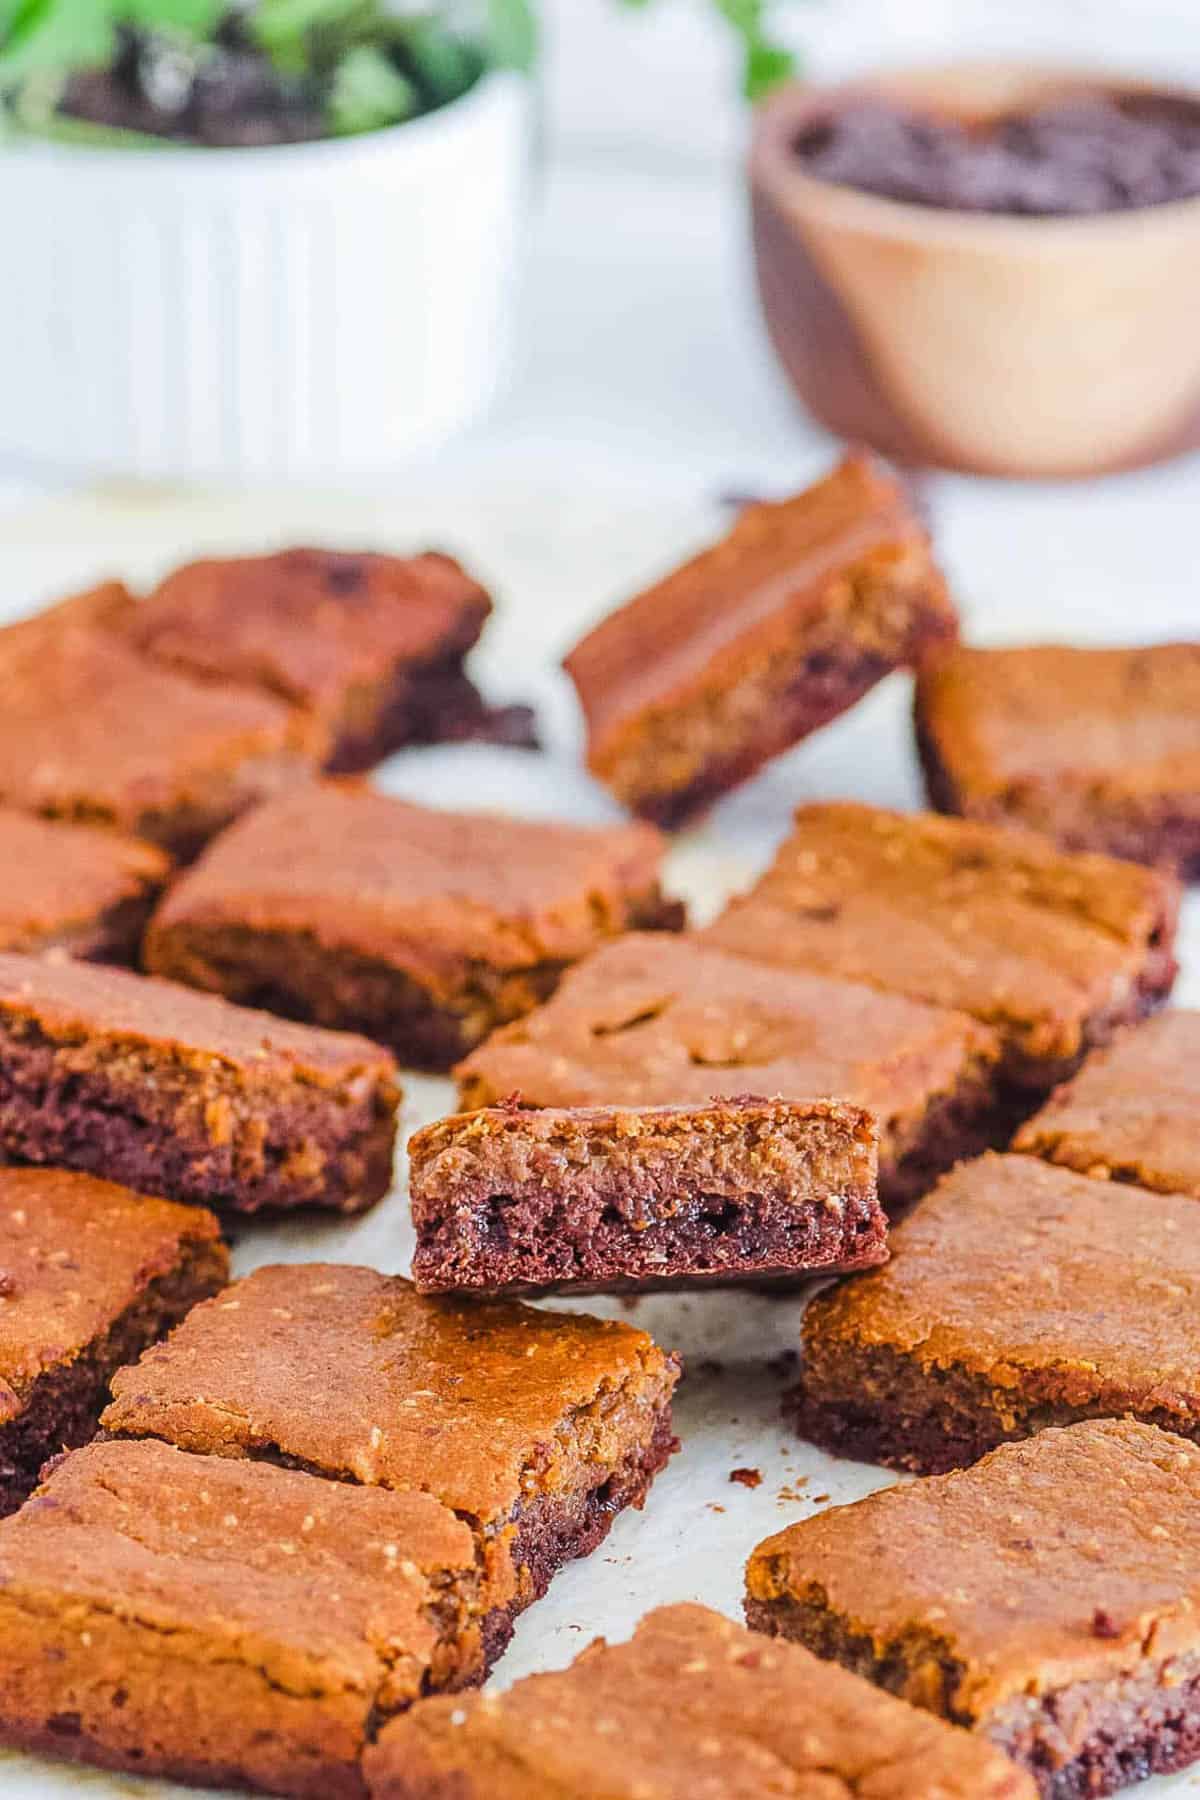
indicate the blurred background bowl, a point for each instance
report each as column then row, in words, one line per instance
column 980, row 342
column 304, row 312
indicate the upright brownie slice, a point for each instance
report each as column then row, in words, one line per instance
column 226, row 1623
column 182, row 1094
column 1054, row 951
column 89, row 1275
column 593, row 1198
column 373, row 645
column 693, row 1705
column 1018, row 1295
column 652, row 1021
column 1098, row 748
column 1048, row 1598
column 791, row 618
column 423, row 929
column 535, row 1427
column 75, row 889
column 1133, row 1111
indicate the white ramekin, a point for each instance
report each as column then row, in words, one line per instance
column 307, row 312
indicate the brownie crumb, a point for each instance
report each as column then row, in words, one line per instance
column 750, row 1478
column 1104, row 1625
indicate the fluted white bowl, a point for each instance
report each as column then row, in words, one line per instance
column 310, row 311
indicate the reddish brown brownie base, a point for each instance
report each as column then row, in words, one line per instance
column 1098, row 748
column 89, row 1275
column 179, row 1093
column 589, row 1200
column 1018, row 1295
column 420, row 928
column 1047, row 1599
column 692, row 1708
column 1055, row 952
column 652, row 1021
column 226, row 1623
column 772, row 632
column 74, row 889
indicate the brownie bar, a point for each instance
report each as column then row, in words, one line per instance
column 1098, row 748
column 1056, row 952
column 693, row 1705
column 775, row 630
column 180, row 1093
column 226, row 1623
column 1018, row 1295
column 537, row 1428
column 1047, row 1599
column 89, row 1275
column 1133, row 1111
column 652, row 1021
column 420, row 928
column 372, row 645
column 75, row 889
column 591, row 1199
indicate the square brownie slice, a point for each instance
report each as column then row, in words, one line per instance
column 421, row 928
column 1133, row 1111
column 75, row 889
column 692, row 1705
column 89, row 1275
column 1098, row 748
column 589, row 1199
column 652, row 1021
column 1054, row 951
column 225, row 1623
column 372, row 645
column 180, row 1093
column 93, row 733
column 770, row 633
column 536, row 1427
column 1048, row 1599
column 1018, row 1295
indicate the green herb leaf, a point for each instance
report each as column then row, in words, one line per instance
column 193, row 18
column 296, row 33
column 369, row 92
column 512, row 34
column 56, row 34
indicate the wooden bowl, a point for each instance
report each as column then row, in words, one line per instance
column 1002, row 345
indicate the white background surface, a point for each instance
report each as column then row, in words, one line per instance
column 644, row 390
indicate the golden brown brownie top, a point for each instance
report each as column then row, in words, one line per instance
column 1124, row 720
column 1133, row 1111
column 59, row 876
column 653, row 1019
column 306, row 623
column 692, row 1706
column 354, row 1374
column 358, row 870
column 89, row 725
column 1072, row 1556
column 322, row 1586
column 75, row 1253
column 671, row 641
column 1018, row 1270
column 114, row 1010
column 994, row 921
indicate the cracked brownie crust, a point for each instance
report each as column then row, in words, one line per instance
column 89, row 1275
column 1046, row 1598
column 1017, row 1296
column 176, row 1092
column 784, row 624
column 652, row 1021
column 535, row 1427
column 423, row 929
column 1055, row 952
column 1098, row 748
column 225, row 1623
column 693, row 1704
column 76, row 889
column 591, row 1199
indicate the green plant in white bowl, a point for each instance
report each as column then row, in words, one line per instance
column 224, row 73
